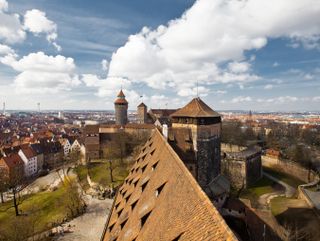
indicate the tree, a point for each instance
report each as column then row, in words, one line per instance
column 16, row 183
column 74, row 202
column 3, row 183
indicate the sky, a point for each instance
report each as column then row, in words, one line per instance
column 234, row 54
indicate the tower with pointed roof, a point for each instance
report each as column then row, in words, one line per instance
column 142, row 113
column 121, row 109
column 204, row 127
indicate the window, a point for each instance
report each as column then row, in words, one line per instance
column 117, row 205
column 154, row 166
column 123, row 223
column 110, row 227
column 135, row 182
column 151, row 153
column 134, row 204
column 143, row 186
column 159, row 189
column 127, row 198
column 144, row 167
column 119, row 212
column 145, row 218
column 178, row 237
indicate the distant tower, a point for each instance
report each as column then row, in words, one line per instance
column 205, row 127
column 121, row 109
column 142, row 113
column 38, row 104
column 4, row 108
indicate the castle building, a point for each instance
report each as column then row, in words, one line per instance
column 242, row 168
column 142, row 113
column 195, row 136
column 121, row 109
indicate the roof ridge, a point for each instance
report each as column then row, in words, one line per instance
column 194, row 184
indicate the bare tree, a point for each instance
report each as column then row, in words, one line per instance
column 74, row 202
column 292, row 232
column 4, row 179
column 16, row 183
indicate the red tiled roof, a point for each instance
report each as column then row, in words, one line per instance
column 196, row 108
column 13, row 160
column 121, row 94
column 121, row 101
column 161, row 200
column 28, row 152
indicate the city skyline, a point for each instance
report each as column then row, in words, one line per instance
column 61, row 54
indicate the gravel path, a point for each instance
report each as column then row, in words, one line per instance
column 89, row 226
column 290, row 191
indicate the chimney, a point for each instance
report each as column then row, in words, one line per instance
column 165, row 131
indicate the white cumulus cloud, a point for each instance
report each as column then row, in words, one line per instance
column 40, row 73
column 11, row 30
column 4, row 50
column 195, row 47
column 36, row 22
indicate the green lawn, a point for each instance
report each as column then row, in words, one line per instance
column 263, row 186
column 279, row 205
column 46, row 207
column 100, row 173
column 291, row 180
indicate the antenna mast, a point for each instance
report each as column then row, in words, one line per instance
column 4, row 108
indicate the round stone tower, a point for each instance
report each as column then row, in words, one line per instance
column 121, row 109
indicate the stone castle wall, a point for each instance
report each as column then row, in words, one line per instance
column 226, row 147
column 290, row 168
column 235, row 171
column 208, row 160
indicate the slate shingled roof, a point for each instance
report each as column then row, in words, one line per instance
column 195, row 108
column 160, row 200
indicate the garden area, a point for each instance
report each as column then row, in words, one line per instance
column 39, row 212
column 100, row 173
column 261, row 187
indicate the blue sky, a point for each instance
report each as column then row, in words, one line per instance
column 241, row 54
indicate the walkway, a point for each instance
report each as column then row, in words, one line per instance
column 290, row 191
column 90, row 225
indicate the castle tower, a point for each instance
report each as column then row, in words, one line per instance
column 205, row 127
column 142, row 113
column 121, row 109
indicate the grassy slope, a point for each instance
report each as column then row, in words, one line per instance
column 100, row 173
column 46, row 205
column 263, row 186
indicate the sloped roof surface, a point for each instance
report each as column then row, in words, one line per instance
column 142, row 105
column 196, row 108
column 121, row 94
column 29, row 152
column 160, row 200
column 13, row 160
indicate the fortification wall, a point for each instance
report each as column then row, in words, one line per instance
column 290, row 168
column 225, row 147
column 235, row 171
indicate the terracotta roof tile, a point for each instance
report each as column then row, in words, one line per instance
column 195, row 108
column 165, row 203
